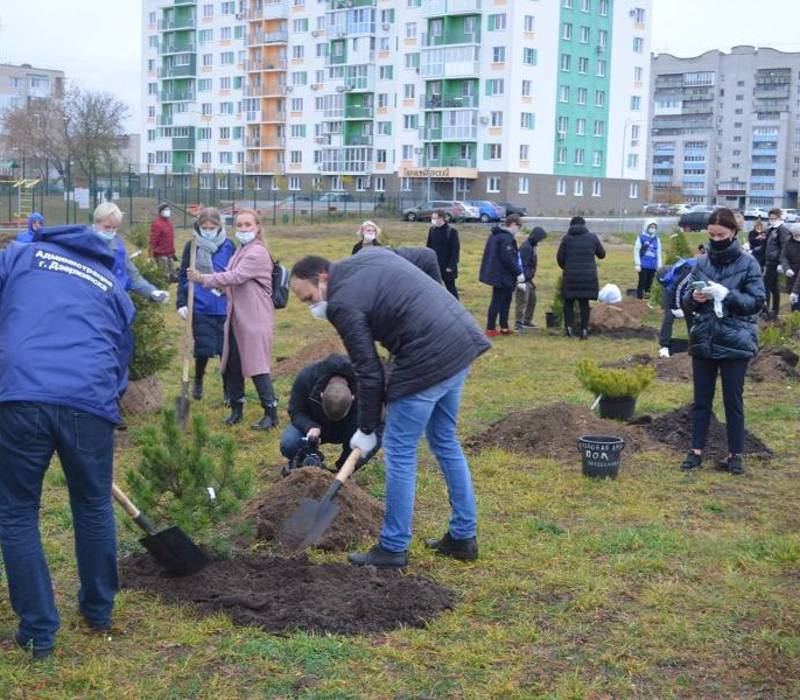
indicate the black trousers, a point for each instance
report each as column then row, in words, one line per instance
column 499, row 306
column 772, row 285
column 450, row 284
column 704, row 375
column 569, row 313
column 645, row 282
column 234, row 379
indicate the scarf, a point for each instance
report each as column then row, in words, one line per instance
column 206, row 247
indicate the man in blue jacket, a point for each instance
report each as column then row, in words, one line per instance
column 35, row 223
column 65, row 340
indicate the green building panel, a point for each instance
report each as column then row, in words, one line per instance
column 460, row 29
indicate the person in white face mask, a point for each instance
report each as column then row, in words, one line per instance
column 790, row 262
column 162, row 241
column 368, row 234
column 250, row 319
column 213, row 253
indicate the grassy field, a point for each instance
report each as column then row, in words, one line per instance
column 657, row 585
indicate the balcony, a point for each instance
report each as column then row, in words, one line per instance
column 436, row 8
column 358, row 140
column 183, row 143
column 451, row 162
column 342, row 30
column 164, row 120
column 450, row 62
column 264, row 38
column 347, row 4
column 269, row 10
column 265, row 167
column 174, row 24
column 181, row 71
column 261, row 65
column 177, row 95
column 169, row 47
column 272, row 90
column 459, row 102
column 434, row 40
column 358, row 112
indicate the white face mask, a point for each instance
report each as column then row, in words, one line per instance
column 369, row 237
column 652, row 230
column 244, row 237
column 209, row 234
column 319, row 310
column 166, row 213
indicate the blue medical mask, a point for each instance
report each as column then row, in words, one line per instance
column 107, row 236
column 319, row 310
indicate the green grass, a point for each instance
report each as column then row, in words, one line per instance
column 658, row 585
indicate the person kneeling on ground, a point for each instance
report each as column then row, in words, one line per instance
column 379, row 296
column 674, row 279
column 322, row 409
column 724, row 294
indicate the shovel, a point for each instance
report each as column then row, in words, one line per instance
column 182, row 402
column 313, row 518
column 172, row 549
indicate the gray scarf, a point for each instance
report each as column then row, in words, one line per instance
column 206, row 247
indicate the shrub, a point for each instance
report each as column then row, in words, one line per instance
column 152, row 349
column 139, row 236
column 614, row 383
column 178, row 472
column 678, row 248
column 557, row 305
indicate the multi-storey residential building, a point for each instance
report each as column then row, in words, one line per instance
column 725, row 128
column 543, row 103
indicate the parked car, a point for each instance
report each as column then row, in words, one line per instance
column 327, row 201
column 514, row 208
column 696, row 219
column 657, row 209
column 454, row 210
column 487, row 211
column 791, row 216
column 756, row 213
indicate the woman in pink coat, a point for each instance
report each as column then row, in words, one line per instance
column 251, row 318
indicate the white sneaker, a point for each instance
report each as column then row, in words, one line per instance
column 663, row 352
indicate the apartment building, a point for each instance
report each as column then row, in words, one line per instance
column 726, row 127
column 543, row 102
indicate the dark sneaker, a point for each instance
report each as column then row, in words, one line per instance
column 197, row 391
column 380, row 558
column 236, row 413
column 584, row 334
column 466, row 550
column 735, row 465
column 525, row 325
column 37, row 653
column 691, row 461
column 569, row 333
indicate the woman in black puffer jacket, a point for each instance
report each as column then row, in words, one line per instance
column 724, row 335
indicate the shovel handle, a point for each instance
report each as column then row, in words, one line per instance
column 342, row 475
column 187, row 330
column 136, row 515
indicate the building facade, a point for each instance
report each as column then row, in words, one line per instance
column 541, row 103
column 725, row 128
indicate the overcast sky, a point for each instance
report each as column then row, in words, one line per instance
column 97, row 42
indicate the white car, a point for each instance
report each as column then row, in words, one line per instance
column 791, row 216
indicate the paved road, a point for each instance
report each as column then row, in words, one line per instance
column 604, row 225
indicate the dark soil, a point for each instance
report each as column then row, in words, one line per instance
column 553, row 431
column 675, row 430
column 677, row 368
column 359, row 518
column 283, row 595
column 774, row 365
column 644, row 332
column 308, row 354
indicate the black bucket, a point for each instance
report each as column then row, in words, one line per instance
column 600, row 455
column 617, row 407
column 550, row 319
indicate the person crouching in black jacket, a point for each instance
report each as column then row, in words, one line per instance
column 321, row 408
column 725, row 294
column 525, row 295
column 443, row 240
column 502, row 271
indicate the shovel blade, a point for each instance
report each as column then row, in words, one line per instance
column 175, row 552
column 308, row 523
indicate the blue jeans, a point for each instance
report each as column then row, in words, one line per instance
column 29, row 435
column 434, row 411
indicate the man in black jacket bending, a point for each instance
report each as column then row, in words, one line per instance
column 443, row 240
column 378, row 295
column 322, row 407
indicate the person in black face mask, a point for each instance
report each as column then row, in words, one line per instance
column 724, row 294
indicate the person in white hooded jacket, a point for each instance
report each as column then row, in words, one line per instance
column 647, row 257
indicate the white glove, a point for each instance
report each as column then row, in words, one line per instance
column 638, row 268
column 794, row 298
column 780, row 269
column 790, row 272
column 663, row 352
column 522, row 287
column 362, row 441
column 183, row 312
column 520, row 278
column 716, row 290
column 678, row 313
column 159, row 295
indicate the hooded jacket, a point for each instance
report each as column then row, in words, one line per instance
column 758, row 246
column 305, row 400
column 27, row 236
column 528, row 254
column 647, row 249
column 776, row 239
column 444, row 241
column 65, row 323
column 125, row 271
column 790, row 256
column 735, row 335
column 576, row 256
column 500, row 263
column 378, row 296
column 162, row 238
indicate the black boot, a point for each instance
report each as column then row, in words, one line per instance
column 270, row 419
column 692, row 461
column 199, row 371
column 197, row 390
column 466, row 550
column 379, row 558
column 237, row 408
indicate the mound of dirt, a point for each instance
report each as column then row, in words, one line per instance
column 553, row 431
column 312, row 352
column 279, row 594
column 359, row 518
column 623, row 320
column 774, row 365
column 677, row 368
column 675, row 429
column 143, row 396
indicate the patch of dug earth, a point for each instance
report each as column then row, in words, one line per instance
column 677, row 368
column 312, row 352
column 774, row 365
column 675, row 429
column 623, row 320
column 283, row 595
column 359, row 518
column 553, row 431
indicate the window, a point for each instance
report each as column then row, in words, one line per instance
column 208, row 59
column 562, row 125
column 387, row 16
column 563, row 93
column 225, row 158
column 300, row 25
column 561, row 155
column 496, row 119
column 204, row 134
column 296, row 104
column 634, row 134
column 206, row 109
column 494, row 151
column 208, row 11
column 578, row 188
column 529, row 56
column 499, row 54
column 298, row 51
column 580, row 126
column 383, row 99
column 585, row 5
column 226, row 33
column 151, row 18
column 597, row 159
column 412, row 60
column 523, row 151
column 380, row 184
column 580, row 156
column 739, row 98
column 566, row 62
column 601, row 69
column 561, row 187
column 492, row 184
column 295, row 183
column 296, row 157
column 408, row 152
column 526, row 88
column 408, row 91
column 584, row 35
column 410, row 121
column 522, row 185
column 225, row 83
column 602, row 8
column 226, row 58
column 411, row 30
column 225, row 133
column 529, row 23
column 567, row 4
column 298, row 131
column 380, row 155
column 638, row 15
column 599, row 127
column 497, row 23
column 152, row 88
column 386, row 72
column 385, row 128
column 599, row 98
column 228, row 8
column 602, row 37
column 583, row 65
column 566, row 31
column 638, row 44
column 527, row 120
column 597, row 188
column 495, row 86
column 637, row 74
column 633, row 160
column 226, row 108
column 582, row 96
column 636, row 103
column 152, row 42
column 300, row 78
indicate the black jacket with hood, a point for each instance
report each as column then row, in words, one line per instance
column 500, row 262
column 576, row 256
column 528, row 253
column 443, row 240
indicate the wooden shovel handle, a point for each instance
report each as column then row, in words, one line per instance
column 125, row 502
column 187, row 331
column 349, row 466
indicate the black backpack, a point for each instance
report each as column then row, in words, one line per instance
column 280, row 285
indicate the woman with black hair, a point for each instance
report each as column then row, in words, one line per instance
column 724, row 294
